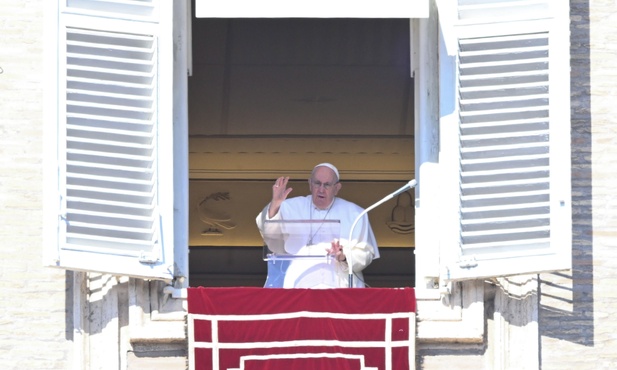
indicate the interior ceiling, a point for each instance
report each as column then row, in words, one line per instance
column 271, row 97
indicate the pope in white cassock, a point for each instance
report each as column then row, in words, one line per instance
column 322, row 208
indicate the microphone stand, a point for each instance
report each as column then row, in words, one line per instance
column 411, row 184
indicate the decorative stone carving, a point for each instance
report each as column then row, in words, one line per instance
column 212, row 212
column 402, row 220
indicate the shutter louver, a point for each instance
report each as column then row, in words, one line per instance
column 110, row 138
column 494, row 10
column 128, row 9
column 504, row 143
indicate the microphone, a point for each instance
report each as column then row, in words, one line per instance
column 411, row 184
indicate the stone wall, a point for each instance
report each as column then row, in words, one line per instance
column 577, row 308
column 33, row 311
column 577, row 319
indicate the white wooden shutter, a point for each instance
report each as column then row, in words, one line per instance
column 114, row 132
column 513, row 128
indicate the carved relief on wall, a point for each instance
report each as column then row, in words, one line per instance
column 402, row 220
column 223, row 212
column 212, row 211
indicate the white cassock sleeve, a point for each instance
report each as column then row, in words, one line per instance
column 271, row 233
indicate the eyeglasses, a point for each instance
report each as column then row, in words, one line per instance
column 326, row 185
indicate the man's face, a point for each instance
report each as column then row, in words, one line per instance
column 324, row 187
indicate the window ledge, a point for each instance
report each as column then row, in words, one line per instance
column 457, row 319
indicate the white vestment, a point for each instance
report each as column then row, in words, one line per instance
column 363, row 246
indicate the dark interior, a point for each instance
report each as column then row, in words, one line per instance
column 273, row 97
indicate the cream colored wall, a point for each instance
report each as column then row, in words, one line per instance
column 576, row 309
column 35, row 311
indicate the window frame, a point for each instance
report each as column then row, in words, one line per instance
column 432, row 281
column 314, row 9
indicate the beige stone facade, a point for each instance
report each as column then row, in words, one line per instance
column 575, row 315
column 35, row 330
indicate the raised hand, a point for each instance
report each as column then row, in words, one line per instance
column 280, row 191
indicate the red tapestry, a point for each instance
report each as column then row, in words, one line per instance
column 287, row 329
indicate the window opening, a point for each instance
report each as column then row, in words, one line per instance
column 274, row 97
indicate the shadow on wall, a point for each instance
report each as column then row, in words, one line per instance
column 567, row 298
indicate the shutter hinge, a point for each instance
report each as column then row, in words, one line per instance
column 467, row 262
column 177, row 289
column 148, row 257
column 445, row 291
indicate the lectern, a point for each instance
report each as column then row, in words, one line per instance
column 296, row 253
